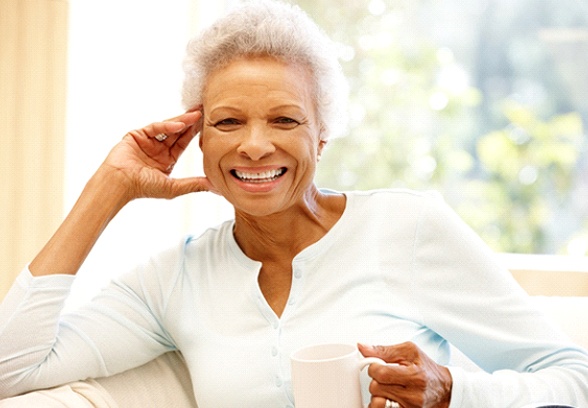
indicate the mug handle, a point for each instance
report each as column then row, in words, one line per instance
column 366, row 361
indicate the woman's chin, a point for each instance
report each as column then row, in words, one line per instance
column 257, row 208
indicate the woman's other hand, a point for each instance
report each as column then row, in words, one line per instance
column 142, row 164
column 416, row 380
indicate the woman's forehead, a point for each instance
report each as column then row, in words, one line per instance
column 256, row 79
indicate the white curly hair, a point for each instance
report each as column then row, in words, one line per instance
column 276, row 29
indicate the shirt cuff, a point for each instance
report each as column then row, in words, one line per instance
column 457, row 376
column 26, row 280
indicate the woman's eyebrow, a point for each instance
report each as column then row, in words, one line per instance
column 272, row 110
column 223, row 108
column 287, row 106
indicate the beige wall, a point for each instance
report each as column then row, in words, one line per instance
column 33, row 42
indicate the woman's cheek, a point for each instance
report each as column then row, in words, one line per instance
column 212, row 167
column 209, row 168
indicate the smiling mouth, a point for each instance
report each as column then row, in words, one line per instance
column 260, row 177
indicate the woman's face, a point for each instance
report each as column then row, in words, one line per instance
column 260, row 137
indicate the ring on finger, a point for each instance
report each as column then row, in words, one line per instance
column 391, row 404
column 161, row 137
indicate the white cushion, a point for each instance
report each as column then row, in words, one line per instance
column 569, row 313
column 163, row 382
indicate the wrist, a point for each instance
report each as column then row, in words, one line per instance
column 447, row 385
column 110, row 187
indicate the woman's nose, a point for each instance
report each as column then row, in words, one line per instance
column 256, row 144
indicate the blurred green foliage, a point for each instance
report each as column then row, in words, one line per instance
column 479, row 100
column 529, row 168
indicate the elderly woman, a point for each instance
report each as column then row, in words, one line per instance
column 298, row 265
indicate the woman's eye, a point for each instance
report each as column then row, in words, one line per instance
column 226, row 123
column 288, row 122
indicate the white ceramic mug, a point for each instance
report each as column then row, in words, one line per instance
column 327, row 376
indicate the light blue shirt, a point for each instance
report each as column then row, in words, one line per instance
column 398, row 266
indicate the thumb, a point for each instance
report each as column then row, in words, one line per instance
column 190, row 185
column 369, row 351
column 403, row 353
column 394, row 354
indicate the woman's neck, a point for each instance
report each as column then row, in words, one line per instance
column 279, row 237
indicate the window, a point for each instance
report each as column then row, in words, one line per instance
column 483, row 100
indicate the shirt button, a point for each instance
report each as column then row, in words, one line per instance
column 298, row 274
column 274, row 351
column 278, row 382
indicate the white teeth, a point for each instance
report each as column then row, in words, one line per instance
column 263, row 176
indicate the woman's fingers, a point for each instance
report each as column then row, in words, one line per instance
column 415, row 381
column 189, row 132
column 171, row 130
column 162, row 143
column 378, row 402
column 147, row 156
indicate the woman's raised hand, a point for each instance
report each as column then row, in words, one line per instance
column 138, row 166
column 142, row 163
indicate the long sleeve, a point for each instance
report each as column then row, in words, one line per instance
column 476, row 305
column 40, row 347
column 28, row 325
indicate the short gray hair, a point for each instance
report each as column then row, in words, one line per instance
column 279, row 30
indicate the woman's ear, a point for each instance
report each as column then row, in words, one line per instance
column 321, row 146
column 200, row 129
